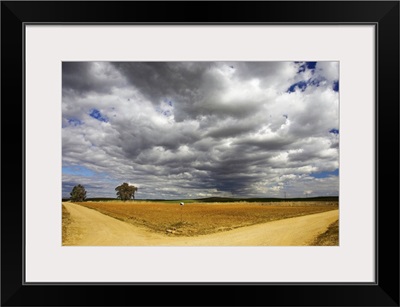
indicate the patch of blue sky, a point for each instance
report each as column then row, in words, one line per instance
column 166, row 108
column 314, row 82
column 334, row 131
column 77, row 170
column 168, row 102
column 167, row 113
column 164, row 112
column 96, row 114
column 305, row 66
column 301, row 85
column 74, row 122
column 335, row 86
column 326, row 174
column 311, row 65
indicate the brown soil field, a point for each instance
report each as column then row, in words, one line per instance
column 204, row 218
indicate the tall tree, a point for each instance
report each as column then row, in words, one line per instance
column 78, row 193
column 126, row 191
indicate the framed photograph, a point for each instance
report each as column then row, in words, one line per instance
column 238, row 147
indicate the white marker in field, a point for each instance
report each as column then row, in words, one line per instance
column 181, row 211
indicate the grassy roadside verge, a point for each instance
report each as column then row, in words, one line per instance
column 329, row 237
column 66, row 220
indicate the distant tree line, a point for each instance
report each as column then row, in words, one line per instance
column 124, row 192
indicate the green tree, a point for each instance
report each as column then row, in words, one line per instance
column 126, row 191
column 78, row 193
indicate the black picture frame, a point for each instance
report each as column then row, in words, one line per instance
column 383, row 14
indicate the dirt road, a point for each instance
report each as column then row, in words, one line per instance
column 89, row 227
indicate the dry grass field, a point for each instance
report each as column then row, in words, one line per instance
column 204, row 218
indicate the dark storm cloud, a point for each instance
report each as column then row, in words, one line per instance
column 165, row 79
column 267, row 144
column 195, row 88
column 231, row 130
column 147, row 135
column 81, row 78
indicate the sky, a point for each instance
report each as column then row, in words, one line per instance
column 184, row 130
